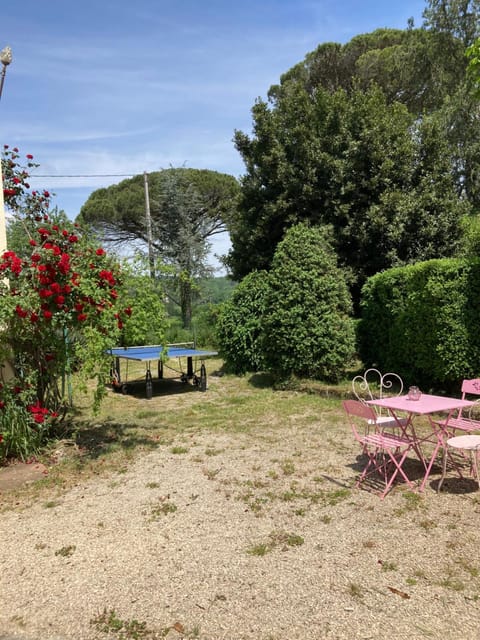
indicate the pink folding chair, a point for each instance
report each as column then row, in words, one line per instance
column 464, row 422
column 385, row 452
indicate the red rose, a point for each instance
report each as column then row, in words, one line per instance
column 47, row 314
column 100, row 252
column 29, row 156
column 82, row 317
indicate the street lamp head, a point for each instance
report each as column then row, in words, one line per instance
column 6, row 56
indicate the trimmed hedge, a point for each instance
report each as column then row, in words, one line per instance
column 422, row 321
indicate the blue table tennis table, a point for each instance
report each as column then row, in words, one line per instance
column 157, row 353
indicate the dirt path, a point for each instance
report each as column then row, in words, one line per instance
column 241, row 537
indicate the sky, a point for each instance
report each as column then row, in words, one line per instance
column 100, row 90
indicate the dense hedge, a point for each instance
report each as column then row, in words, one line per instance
column 423, row 322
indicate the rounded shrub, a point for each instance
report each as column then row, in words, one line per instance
column 307, row 326
column 239, row 324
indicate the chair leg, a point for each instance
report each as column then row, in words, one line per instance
column 475, row 466
column 444, row 469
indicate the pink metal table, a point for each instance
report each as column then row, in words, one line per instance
column 426, row 405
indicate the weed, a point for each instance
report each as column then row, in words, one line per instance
column 213, row 452
column 326, row 519
column 108, row 622
column 411, row 581
column 468, row 567
column 260, row 549
column 66, row 551
column 450, row 582
column 389, row 566
column 211, row 473
column 287, row 467
column 152, row 485
column 163, row 508
column 355, row 590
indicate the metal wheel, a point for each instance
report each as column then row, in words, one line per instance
column 148, row 385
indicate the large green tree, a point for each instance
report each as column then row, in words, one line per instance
column 370, row 169
column 376, row 137
column 187, row 208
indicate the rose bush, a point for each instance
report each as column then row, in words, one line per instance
column 61, row 308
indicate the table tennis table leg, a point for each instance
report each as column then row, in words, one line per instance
column 189, row 367
column 148, row 384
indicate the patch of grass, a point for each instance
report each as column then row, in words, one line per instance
column 276, row 539
column 337, row 495
column 413, row 501
column 179, row 450
column 152, row 485
column 210, row 451
column 145, row 414
column 260, row 549
column 51, row 504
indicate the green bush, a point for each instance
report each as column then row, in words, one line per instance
column 307, row 328
column 239, row 324
column 421, row 321
column 147, row 322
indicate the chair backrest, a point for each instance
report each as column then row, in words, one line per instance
column 358, row 409
column 471, row 388
column 373, row 385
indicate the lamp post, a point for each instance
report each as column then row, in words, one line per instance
column 5, row 59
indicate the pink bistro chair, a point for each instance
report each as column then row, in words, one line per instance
column 374, row 385
column 464, row 422
column 386, row 452
column 466, row 443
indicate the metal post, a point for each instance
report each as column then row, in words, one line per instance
column 148, row 217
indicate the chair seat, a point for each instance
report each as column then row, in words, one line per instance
column 386, row 441
column 388, row 421
column 469, row 443
column 461, row 424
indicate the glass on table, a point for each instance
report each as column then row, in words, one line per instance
column 414, row 393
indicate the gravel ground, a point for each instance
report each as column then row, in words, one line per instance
column 173, row 548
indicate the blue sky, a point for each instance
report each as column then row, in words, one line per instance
column 123, row 87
